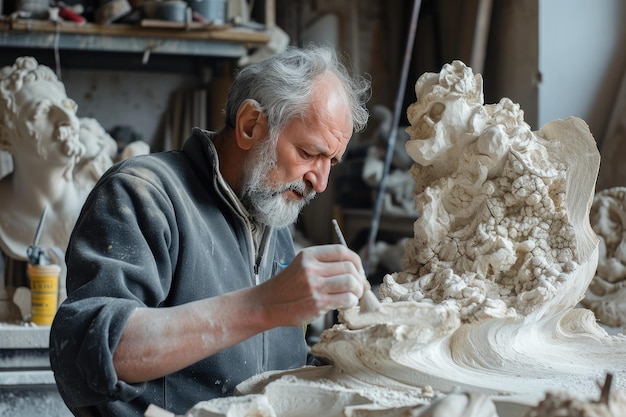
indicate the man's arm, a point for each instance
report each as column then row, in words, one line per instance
column 157, row 342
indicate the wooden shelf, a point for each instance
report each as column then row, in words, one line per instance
column 192, row 39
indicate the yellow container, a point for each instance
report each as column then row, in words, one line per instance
column 44, row 290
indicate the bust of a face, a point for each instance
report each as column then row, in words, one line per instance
column 46, row 123
column 41, row 129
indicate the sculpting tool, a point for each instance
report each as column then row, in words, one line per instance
column 368, row 301
column 36, row 254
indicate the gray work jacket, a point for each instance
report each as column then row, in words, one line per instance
column 158, row 231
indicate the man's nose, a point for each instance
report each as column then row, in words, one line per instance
column 318, row 175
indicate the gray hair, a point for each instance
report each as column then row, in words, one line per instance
column 283, row 85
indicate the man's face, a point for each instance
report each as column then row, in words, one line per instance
column 266, row 201
column 283, row 176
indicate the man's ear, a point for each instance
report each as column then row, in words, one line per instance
column 251, row 124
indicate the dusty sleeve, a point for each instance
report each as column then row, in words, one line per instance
column 120, row 257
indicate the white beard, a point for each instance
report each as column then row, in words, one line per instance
column 266, row 202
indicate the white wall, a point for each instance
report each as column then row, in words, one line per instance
column 581, row 59
column 131, row 98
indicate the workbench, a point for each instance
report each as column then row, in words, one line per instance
column 27, row 386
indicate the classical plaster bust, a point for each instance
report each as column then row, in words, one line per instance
column 40, row 129
column 57, row 158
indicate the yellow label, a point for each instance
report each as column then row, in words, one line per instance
column 43, row 308
column 44, row 286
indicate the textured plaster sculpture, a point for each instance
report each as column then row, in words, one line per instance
column 606, row 295
column 561, row 404
column 502, row 253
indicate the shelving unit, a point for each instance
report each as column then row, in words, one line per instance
column 190, row 40
column 146, row 37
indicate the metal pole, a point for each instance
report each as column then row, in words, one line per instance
column 391, row 142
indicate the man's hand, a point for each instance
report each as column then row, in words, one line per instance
column 319, row 279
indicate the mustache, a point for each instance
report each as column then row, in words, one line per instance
column 300, row 187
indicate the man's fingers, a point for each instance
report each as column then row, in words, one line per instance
column 340, row 300
column 344, row 283
column 335, row 252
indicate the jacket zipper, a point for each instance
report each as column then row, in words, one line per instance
column 256, row 255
